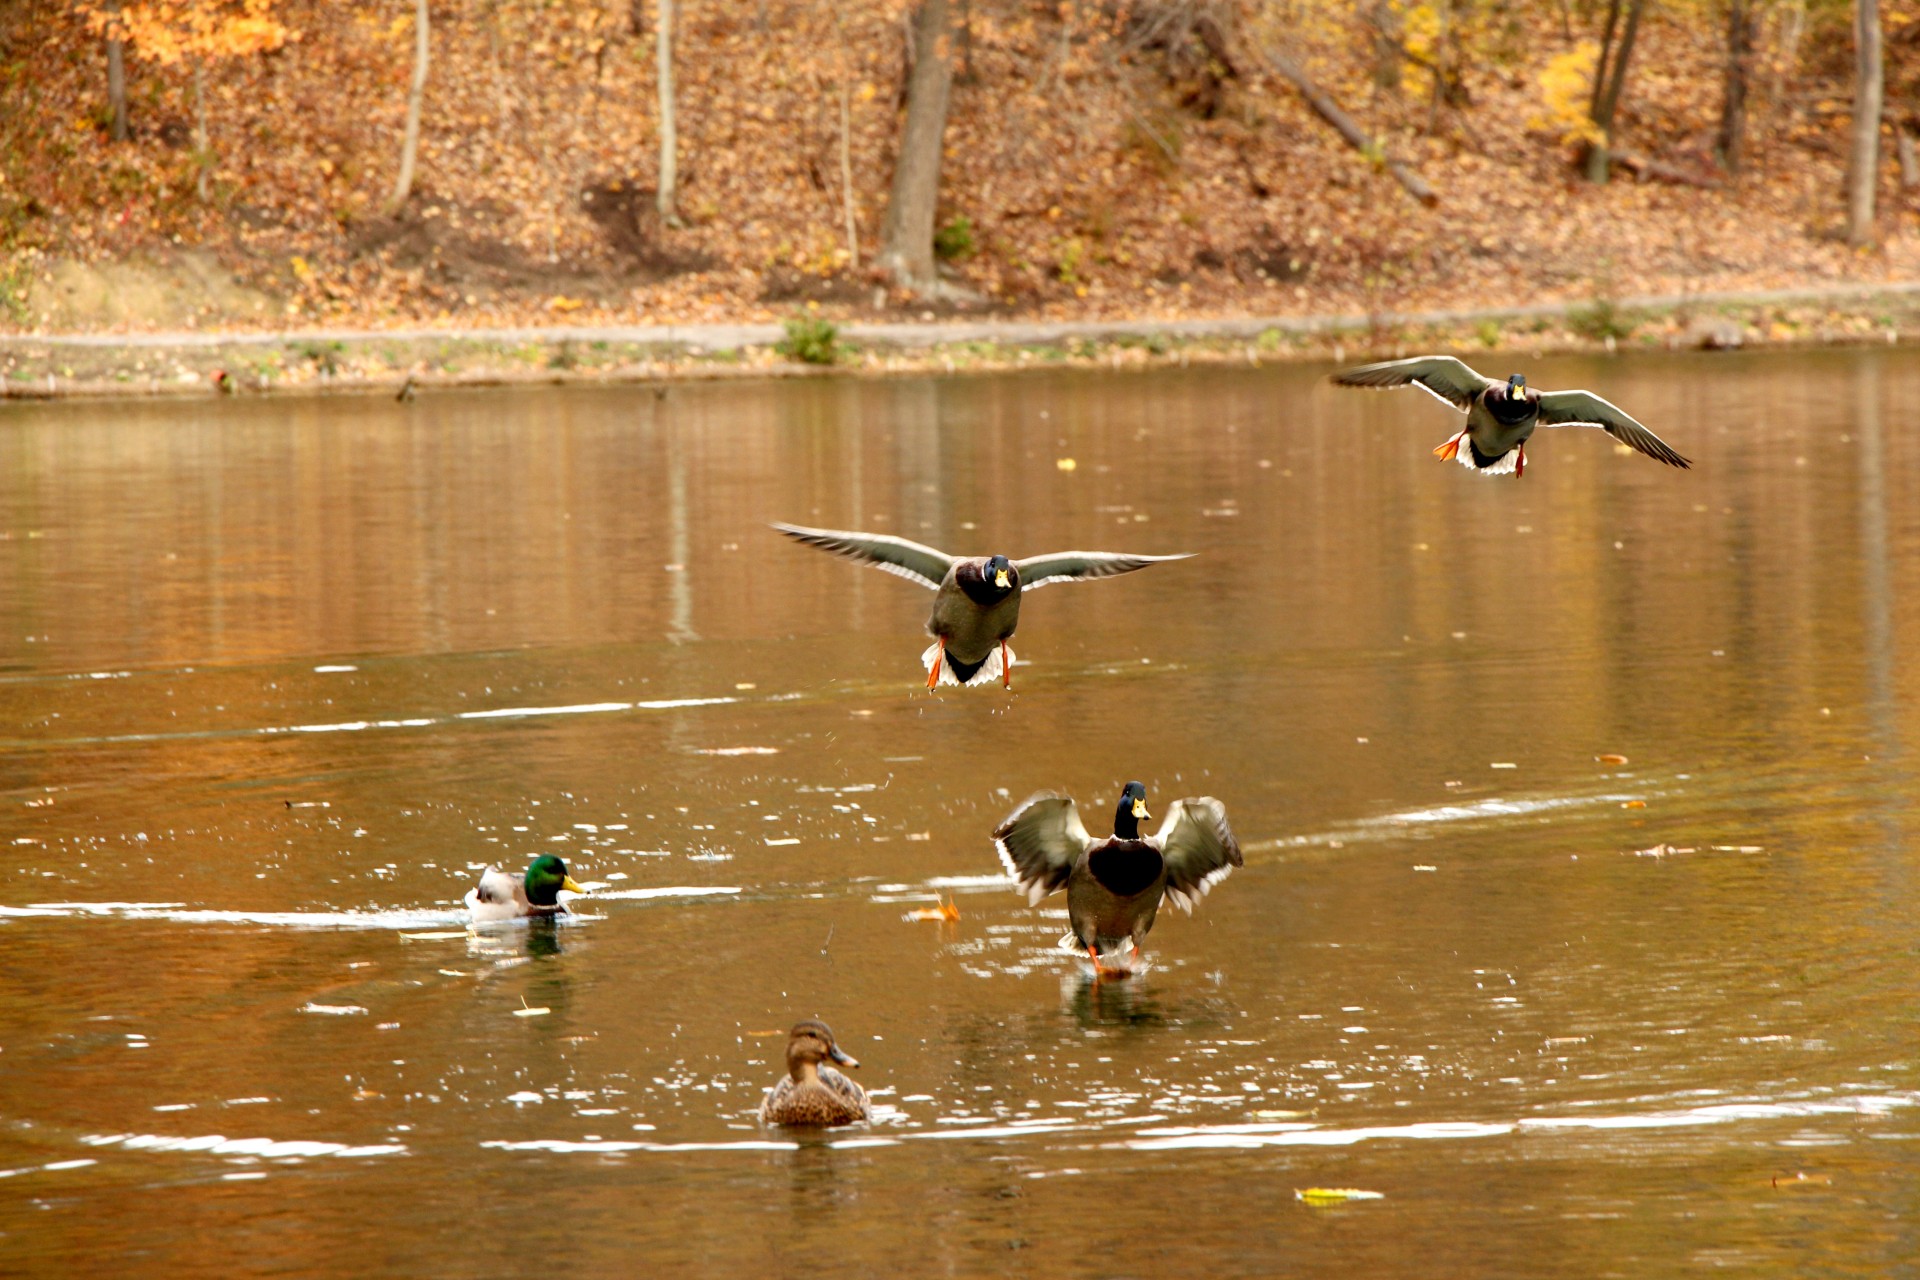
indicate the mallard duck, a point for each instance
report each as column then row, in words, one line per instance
column 813, row 1096
column 976, row 603
column 1501, row 415
column 499, row 896
column 1114, row 886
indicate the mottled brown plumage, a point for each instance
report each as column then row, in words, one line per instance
column 814, row 1096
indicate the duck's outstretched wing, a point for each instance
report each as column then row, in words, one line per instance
column 1198, row 847
column 1081, row 566
column 1442, row 376
column 909, row 560
column 1585, row 409
column 1039, row 843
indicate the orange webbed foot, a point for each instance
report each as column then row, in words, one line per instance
column 1450, row 449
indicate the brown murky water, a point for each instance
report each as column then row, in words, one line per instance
column 278, row 676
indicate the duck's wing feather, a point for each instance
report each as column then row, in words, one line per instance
column 497, row 888
column 1081, row 566
column 1585, row 409
column 1039, row 843
column 909, row 560
column 1198, row 847
column 1444, row 377
column 854, row 1096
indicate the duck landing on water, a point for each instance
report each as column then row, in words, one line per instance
column 976, row 602
column 1115, row 886
column 1501, row 416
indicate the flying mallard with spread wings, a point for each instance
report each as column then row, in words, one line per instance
column 976, row 604
column 1501, row 415
column 1114, row 886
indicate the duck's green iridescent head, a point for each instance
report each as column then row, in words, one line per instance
column 1133, row 807
column 546, row 877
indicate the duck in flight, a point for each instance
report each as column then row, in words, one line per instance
column 976, row 603
column 1502, row 415
column 1115, row 885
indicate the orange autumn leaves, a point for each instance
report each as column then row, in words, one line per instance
column 171, row 31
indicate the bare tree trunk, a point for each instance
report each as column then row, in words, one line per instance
column 1733, row 97
column 202, row 146
column 906, row 252
column 1863, row 161
column 410, row 144
column 1909, row 160
column 846, row 170
column 117, row 83
column 667, row 196
column 1609, row 80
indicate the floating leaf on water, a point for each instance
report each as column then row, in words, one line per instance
column 1065, row 464
column 1611, row 757
column 1802, row 1180
column 525, row 1011
column 948, row 911
column 919, row 835
column 1334, row 1195
column 1503, row 764
column 362, row 1095
column 1634, row 804
column 336, row 1009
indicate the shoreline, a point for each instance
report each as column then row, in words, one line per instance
column 89, row 365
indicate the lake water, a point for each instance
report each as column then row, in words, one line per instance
column 280, row 675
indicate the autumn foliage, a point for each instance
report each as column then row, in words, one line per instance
column 1120, row 157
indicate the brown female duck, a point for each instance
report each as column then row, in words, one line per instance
column 812, row 1095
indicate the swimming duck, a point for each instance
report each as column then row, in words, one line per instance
column 1114, row 886
column 813, row 1096
column 499, row 896
column 976, row 603
column 1501, row 415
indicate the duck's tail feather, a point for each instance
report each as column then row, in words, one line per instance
column 1472, row 459
column 967, row 674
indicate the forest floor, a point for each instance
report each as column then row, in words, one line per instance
column 1109, row 194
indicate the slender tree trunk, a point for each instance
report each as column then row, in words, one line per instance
column 1909, row 159
column 1863, row 163
column 202, row 146
column 667, row 195
column 1609, row 81
column 906, row 253
column 410, row 144
column 846, row 170
column 117, row 84
column 1733, row 97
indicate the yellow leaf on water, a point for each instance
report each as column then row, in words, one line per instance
column 1334, row 1195
column 949, row 910
column 1065, row 464
column 1611, row 758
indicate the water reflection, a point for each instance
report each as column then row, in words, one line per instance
column 279, row 671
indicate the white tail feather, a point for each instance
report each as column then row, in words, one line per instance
column 989, row 671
